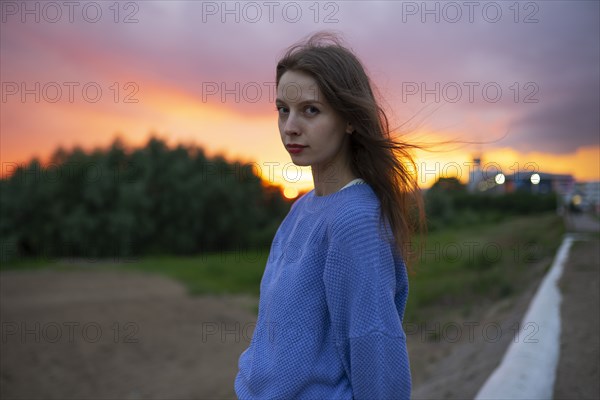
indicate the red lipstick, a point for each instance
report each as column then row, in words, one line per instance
column 295, row 148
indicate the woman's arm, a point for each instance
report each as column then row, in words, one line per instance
column 366, row 297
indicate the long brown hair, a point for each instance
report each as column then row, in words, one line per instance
column 384, row 162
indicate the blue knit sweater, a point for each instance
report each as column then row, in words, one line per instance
column 332, row 299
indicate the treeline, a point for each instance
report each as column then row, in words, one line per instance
column 449, row 204
column 149, row 200
column 116, row 202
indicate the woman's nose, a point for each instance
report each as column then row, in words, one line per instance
column 291, row 125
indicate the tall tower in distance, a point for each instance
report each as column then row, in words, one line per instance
column 475, row 173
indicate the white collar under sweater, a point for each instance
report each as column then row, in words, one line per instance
column 353, row 182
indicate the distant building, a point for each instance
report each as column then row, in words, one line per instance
column 584, row 196
column 482, row 178
column 490, row 179
column 475, row 174
column 539, row 182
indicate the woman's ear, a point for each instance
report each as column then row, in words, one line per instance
column 349, row 128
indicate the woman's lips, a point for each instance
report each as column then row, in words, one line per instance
column 295, row 149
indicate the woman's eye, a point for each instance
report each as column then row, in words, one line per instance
column 312, row 110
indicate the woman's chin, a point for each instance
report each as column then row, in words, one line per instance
column 298, row 161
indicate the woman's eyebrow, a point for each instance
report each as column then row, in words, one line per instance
column 278, row 100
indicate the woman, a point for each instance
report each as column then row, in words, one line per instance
column 335, row 286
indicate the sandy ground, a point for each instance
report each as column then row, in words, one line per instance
column 578, row 373
column 103, row 335
column 107, row 335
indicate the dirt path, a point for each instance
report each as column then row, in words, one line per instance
column 126, row 335
column 578, row 373
column 108, row 335
column 582, row 223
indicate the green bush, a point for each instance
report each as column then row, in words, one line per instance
column 148, row 200
column 448, row 204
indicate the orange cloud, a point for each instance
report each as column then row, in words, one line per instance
column 179, row 117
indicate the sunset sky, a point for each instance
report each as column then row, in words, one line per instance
column 522, row 76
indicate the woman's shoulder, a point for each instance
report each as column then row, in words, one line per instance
column 359, row 211
column 354, row 204
column 358, row 201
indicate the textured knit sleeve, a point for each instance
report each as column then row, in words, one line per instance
column 363, row 299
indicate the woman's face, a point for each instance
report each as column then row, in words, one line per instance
column 305, row 118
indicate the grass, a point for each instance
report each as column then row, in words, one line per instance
column 225, row 273
column 483, row 263
column 222, row 272
column 457, row 267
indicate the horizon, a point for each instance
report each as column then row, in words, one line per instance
column 521, row 78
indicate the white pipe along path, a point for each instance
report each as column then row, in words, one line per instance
column 528, row 369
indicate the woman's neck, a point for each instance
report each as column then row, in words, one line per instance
column 327, row 183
